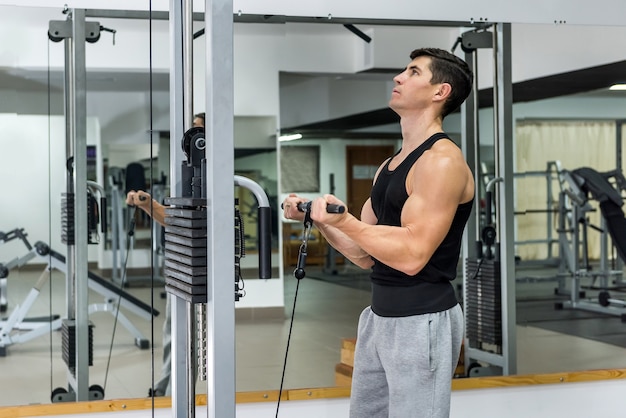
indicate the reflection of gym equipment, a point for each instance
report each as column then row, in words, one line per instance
column 186, row 227
column 547, row 215
column 185, row 265
column 76, row 32
column 587, row 184
column 15, row 263
column 551, row 175
column 499, row 40
column 17, row 320
column 118, row 235
column 248, row 206
column 483, row 306
column 119, row 221
column 318, row 246
column 19, row 329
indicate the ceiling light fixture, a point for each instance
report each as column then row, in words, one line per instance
column 618, row 87
column 291, row 137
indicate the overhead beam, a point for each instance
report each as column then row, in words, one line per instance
column 279, row 19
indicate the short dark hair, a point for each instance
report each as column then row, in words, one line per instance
column 200, row 115
column 448, row 68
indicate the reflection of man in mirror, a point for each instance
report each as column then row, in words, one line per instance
column 145, row 202
column 409, row 339
column 198, row 119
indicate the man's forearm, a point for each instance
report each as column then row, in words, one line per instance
column 156, row 211
column 346, row 246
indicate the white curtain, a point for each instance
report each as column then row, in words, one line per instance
column 574, row 144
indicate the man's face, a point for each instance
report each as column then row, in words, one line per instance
column 198, row 122
column 412, row 90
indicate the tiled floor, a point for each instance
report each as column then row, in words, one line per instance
column 325, row 313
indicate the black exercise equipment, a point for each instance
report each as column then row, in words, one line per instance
column 18, row 329
column 135, row 177
column 586, row 185
column 185, row 265
column 299, row 272
column 5, row 268
column 483, row 289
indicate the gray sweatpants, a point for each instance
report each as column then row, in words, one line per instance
column 403, row 366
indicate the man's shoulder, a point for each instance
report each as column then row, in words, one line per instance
column 443, row 152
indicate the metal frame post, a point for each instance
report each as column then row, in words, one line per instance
column 470, row 143
column 503, row 145
column 76, row 148
column 503, row 119
column 220, row 209
column 181, row 101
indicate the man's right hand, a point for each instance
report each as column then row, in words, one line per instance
column 138, row 198
column 290, row 207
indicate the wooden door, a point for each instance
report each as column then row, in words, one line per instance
column 361, row 165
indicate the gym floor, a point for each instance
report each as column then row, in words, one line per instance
column 326, row 312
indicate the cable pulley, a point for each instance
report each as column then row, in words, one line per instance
column 299, row 272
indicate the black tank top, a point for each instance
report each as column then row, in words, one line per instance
column 395, row 293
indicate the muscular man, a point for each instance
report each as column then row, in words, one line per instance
column 409, row 235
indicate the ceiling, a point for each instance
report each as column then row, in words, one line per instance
column 592, row 81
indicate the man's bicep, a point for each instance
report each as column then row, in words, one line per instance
column 428, row 219
column 367, row 213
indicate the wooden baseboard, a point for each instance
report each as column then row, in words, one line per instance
column 118, row 405
column 62, row 409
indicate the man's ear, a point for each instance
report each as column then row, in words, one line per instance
column 443, row 92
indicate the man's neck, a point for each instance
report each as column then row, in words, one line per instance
column 417, row 129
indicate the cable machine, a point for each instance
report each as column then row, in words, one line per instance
column 75, row 32
column 209, row 201
column 586, row 185
column 219, row 195
column 494, row 350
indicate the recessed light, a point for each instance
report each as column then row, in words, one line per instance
column 292, row 137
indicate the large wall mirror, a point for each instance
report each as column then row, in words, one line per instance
column 548, row 123
column 288, row 77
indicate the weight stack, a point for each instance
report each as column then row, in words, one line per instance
column 68, row 228
column 240, row 251
column 185, row 265
column 483, row 304
column 68, row 343
column 67, row 218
